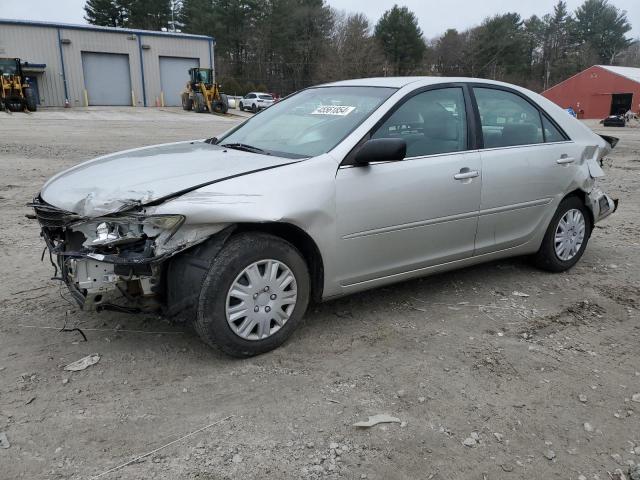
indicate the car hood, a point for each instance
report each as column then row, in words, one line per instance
column 124, row 180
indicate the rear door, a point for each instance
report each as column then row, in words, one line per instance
column 396, row 217
column 528, row 164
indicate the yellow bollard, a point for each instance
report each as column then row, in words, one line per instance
column 162, row 99
column 86, row 98
column 133, row 99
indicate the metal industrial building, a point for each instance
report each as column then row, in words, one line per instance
column 599, row 91
column 90, row 65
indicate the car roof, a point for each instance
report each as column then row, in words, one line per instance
column 258, row 93
column 399, row 82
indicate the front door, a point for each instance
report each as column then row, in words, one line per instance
column 395, row 217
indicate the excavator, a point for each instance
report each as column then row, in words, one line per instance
column 16, row 95
column 202, row 94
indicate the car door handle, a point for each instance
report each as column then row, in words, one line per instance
column 564, row 159
column 465, row 173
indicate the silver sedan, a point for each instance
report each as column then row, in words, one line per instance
column 336, row 189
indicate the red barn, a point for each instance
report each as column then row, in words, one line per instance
column 599, row 91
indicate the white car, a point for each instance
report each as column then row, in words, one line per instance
column 255, row 101
column 334, row 190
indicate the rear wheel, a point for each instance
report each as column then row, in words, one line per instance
column 30, row 99
column 187, row 102
column 253, row 296
column 566, row 238
column 254, row 108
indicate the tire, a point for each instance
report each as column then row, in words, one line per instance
column 200, row 104
column 14, row 106
column 225, row 103
column 187, row 102
column 30, row 100
column 254, row 108
column 241, row 252
column 241, row 107
column 547, row 257
column 220, row 107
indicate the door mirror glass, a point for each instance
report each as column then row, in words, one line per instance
column 381, row 150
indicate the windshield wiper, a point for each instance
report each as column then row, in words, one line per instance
column 244, row 147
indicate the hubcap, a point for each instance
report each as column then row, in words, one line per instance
column 261, row 299
column 569, row 234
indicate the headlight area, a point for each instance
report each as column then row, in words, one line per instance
column 114, row 262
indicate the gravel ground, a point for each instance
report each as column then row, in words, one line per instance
column 487, row 384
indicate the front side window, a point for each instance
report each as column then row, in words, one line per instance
column 309, row 123
column 431, row 123
column 507, row 119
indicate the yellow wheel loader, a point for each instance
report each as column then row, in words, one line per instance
column 16, row 95
column 202, row 95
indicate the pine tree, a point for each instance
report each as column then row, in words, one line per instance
column 401, row 39
column 107, row 13
column 603, row 27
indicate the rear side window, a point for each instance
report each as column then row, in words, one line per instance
column 265, row 97
column 431, row 122
column 507, row 119
column 551, row 133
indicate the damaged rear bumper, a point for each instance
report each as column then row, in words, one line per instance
column 601, row 204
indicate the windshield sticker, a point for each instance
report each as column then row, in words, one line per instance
column 341, row 110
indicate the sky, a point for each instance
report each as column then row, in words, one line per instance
column 435, row 16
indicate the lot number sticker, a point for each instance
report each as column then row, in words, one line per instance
column 341, row 110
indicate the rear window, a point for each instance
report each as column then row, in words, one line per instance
column 265, row 97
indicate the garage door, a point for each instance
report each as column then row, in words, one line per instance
column 107, row 78
column 174, row 75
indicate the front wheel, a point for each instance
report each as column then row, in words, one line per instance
column 566, row 238
column 253, row 296
column 241, row 107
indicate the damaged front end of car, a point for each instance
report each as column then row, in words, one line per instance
column 114, row 261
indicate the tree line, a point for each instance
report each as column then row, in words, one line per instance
column 284, row 45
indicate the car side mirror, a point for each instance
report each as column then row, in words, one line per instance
column 381, row 150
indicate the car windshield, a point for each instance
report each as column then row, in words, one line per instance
column 310, row 122
column 266, row 97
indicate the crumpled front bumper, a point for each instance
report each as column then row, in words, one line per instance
column 94, row 284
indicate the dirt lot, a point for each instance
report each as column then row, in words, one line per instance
column 545, row 383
